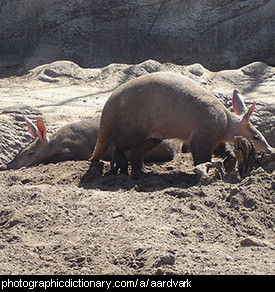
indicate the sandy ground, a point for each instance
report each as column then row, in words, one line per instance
column 68, row 218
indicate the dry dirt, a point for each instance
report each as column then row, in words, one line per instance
column 68, row 218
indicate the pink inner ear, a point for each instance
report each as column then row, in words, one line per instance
column 31, row 131
column 252, row 109
column 41, row 127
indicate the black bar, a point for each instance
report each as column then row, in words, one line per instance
column 109, row 282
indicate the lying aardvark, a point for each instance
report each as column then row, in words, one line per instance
column 74, row 141
column 142, row 112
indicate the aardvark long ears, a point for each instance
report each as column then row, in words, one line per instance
column 239, row 106
column 38, row 130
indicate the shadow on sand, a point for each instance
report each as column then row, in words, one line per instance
column 97, row 177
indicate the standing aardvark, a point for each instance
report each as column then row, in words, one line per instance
column 142, row 112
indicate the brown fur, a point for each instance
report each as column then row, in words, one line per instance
column 142, row 112
column 76, row 141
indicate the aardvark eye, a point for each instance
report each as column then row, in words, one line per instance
column 256, row 138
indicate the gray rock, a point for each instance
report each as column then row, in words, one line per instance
column 168, row 259
column 217, row 34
